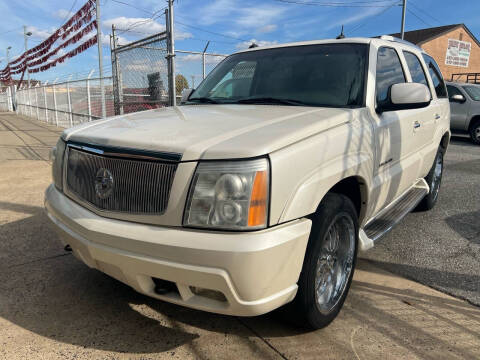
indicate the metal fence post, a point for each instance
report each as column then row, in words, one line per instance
column 171, row 55
column 89, row 101
column 9, row 98
column 36, row 101
column 55, row 102
column 69, row 100
column 30, row 102
column 203, row 60
column 45, row 101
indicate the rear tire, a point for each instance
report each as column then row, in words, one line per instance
column 328, row 265
column 475, row 131
column 434, row 180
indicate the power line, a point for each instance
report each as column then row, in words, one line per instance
column 142, row 22
column 419, row 18
column 133, row 6
column 424, row 12
column 12, row 30
column 351, row 4
column 369, row 20
column 69, row 13
column 209, row 32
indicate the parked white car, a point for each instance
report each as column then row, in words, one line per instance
column 258, row 191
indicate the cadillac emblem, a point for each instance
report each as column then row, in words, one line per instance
column 103, row 183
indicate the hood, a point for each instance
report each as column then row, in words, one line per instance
column 211, row 131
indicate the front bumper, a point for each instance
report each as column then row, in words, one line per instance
column 255, row 271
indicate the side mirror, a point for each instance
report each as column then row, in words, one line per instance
column 185, row 95
column 406, row 96
column 458, row 98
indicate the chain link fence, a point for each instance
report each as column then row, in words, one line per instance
column 139, row 81
column 194, row 66
column 66, row 104
column 140, row 74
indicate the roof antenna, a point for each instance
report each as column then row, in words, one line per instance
column 341, row 36
column 252, row 45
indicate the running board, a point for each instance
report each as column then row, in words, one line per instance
column 392, row 215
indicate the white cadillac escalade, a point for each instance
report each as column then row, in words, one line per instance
column 260, row 189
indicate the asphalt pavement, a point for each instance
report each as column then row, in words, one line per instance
column 52, row 306
column 441, row 247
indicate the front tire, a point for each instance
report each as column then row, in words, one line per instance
column 475, row 131
column 329, row 262
column 434, row 180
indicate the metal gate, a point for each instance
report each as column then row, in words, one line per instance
column 140, row 73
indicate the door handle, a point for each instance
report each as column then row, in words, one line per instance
column 437, row 116
column 416, row 125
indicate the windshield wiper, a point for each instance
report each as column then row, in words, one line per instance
column 204, row 100
column 271, row 100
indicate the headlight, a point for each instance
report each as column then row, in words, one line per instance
column 229, row 195
column 56, row 156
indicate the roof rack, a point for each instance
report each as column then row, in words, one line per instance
column 401, row 41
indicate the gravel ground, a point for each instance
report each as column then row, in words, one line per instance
column 441, row 248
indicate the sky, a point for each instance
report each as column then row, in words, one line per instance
column 229, row 25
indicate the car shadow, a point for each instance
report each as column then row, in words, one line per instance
column 467, row 225
column 462, row 140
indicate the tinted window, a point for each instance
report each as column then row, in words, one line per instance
column 415, row 67
column 236, row 82
column 389, row 72
column 452, row 90
column 436, row 76
column 315, row 75
column 473, row 92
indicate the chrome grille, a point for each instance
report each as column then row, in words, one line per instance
column 139, row 186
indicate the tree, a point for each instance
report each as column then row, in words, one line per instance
column 181, row 83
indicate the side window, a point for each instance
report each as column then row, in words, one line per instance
column 436, row 75
column 452, row 90
column 415, row 67
column 389, row 72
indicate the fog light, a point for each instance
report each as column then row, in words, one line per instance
column 210, row 294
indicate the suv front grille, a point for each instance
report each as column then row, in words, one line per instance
column 119, row 184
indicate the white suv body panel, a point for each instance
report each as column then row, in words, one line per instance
column 310, row 149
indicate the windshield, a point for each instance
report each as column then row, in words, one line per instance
column 473, row 92
column 314, row 75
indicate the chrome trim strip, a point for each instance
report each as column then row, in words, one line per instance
column 129, row 153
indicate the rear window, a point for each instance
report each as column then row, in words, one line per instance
column 436, row 76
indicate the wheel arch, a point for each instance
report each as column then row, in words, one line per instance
column 355, row 188
column 473, row 120
column 445, row 141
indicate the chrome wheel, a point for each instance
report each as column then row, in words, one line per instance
column 335, row 262
column 437, row 176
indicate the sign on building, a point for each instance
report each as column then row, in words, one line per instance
column 458, row 53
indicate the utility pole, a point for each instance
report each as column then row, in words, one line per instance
column 100, row 57
column 25, row 36
column 8, row 55
column 203, row 60
column 403, row 17
column 171, row 55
